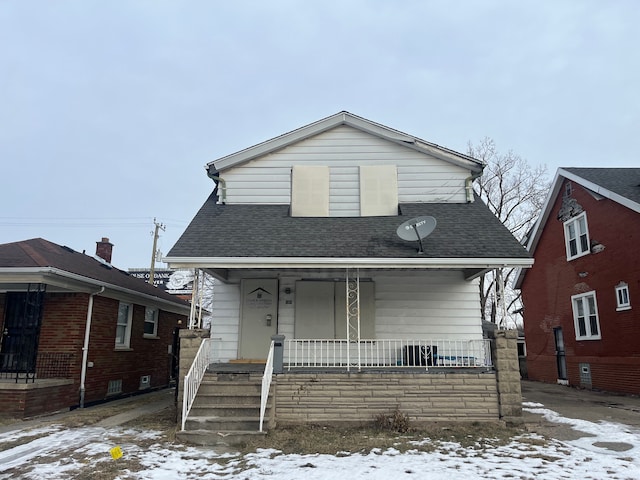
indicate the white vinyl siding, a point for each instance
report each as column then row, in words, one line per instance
column 431, row 305
column 576, row 235
column 309, row 191
column 225, row 321
column 585, row 316
column 421, row 177
column 378, row 190
column 408, row 305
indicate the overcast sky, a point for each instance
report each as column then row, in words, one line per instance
column 109, row 110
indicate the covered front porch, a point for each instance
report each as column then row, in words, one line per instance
column 335, row 392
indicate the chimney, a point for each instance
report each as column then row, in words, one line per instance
column 103, row 249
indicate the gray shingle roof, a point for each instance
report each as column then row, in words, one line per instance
column 464, row 230
column 623, row 181
column 38, row 252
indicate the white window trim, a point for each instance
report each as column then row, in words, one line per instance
column 156, row 314
column 575, row 220
column 587, row 321
column 621, row 288
column 127, row 333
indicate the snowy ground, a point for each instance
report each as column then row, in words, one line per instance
column 58, row 452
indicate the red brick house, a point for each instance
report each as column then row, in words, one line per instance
column 581, row 297
column 76, row 330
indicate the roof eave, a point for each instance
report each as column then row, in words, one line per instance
column 342, row 262
column 72, row 281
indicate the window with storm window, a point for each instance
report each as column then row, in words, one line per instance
column 585, row 316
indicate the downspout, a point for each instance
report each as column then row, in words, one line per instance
column 468, row 185
column 85, row 348
column 215, row 176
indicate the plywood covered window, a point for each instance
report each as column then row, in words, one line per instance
column 378, row 190
column 309, row 191
column 321, row 310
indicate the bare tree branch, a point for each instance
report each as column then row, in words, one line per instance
column 515, row 192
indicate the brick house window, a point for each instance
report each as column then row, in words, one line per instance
column 622, row 297
column 123, row 328
column 576, row 236
column 150, row 322
column 585, row 316
column 114, row 387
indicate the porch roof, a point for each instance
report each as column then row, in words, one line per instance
column 467, row 235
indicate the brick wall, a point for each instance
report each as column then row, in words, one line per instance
column 549, row 284
column 358, row 397
column 63, row 330
column 21, row 400
column 146, row 356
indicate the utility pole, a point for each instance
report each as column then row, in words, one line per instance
column 159, row 226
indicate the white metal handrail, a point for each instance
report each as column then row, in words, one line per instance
column 387, row 353
column 195, row 375
column 266, row 384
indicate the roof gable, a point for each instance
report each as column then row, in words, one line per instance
column 333, row 121
column 621, row 185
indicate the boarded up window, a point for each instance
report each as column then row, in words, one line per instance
column 310, row 191
column 321, row 310
column 378, row 190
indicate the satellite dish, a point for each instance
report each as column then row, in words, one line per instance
column 416, row 229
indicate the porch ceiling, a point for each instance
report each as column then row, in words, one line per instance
column 223, row 273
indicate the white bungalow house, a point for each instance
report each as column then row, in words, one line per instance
column 303, row 236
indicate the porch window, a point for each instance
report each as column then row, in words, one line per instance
column 585, row 316
column 576, row 235
column 150, row 322
column 622, row 297
column 321, row 310
column 123, row 328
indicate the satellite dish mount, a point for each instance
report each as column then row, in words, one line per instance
column 416, row 229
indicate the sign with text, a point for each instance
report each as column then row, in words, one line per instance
column 175, row 282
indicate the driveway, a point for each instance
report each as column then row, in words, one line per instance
column 569, row 402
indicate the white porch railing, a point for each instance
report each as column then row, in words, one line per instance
column 316, row 353
column 194, row 377
column 266, row 384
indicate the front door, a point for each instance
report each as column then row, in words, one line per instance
column 259, row 317
column 20, row 330
column 561, row 359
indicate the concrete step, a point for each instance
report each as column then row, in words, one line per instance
column 229, row 439
column 230, row 388
column 234, row 377
column 221, row 398
column 223, row 424
column 230, row 411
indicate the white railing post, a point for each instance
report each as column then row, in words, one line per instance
column 266, row 383
column 194, row 377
